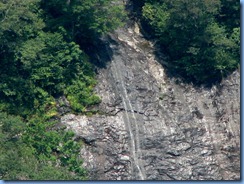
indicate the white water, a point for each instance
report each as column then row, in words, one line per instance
column 134, row 137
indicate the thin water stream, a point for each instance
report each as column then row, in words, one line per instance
column 129, row 117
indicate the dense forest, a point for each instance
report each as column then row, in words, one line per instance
column 40, row 60
column 201, row 38
column 43, row 57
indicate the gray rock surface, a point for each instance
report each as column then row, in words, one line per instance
column 154, row 127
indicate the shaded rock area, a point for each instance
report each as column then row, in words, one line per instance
column 154, row 127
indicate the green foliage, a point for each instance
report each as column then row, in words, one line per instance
column 38, row 48
column 41, row 66
column 50, row 61
column 156, row 15
column 80, row 99
column 200, row 48
column 11, row 126
column 40, row 59
column 19, row 21
column 229, row 14
column 83, row 19
column 54, row 145
column 36, row 151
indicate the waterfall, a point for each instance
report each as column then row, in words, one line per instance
column 134, row 137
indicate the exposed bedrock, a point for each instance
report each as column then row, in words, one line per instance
column 154, row 127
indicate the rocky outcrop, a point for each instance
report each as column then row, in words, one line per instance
column 152, row 127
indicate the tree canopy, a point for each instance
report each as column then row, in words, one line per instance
column 40, row 60
column 202, row 38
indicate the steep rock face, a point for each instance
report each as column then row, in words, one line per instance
column 151, row 127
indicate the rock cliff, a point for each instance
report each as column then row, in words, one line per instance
column 154, row 127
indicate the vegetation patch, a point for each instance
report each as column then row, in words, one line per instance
column 41, row 60
column 201, row 38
